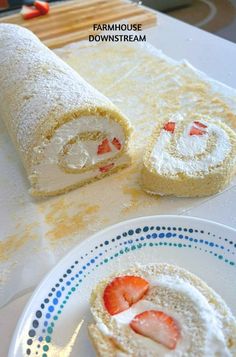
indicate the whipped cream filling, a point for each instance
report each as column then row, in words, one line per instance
column 187, row 148
column 74, row 147
column 201, row 315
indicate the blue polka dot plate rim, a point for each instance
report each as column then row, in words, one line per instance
column 55, row 320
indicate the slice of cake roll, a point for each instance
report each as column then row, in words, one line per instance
column 67, row 133
column 189, row 157
column 160, row 310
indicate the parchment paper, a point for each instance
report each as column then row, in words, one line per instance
column 146, row 86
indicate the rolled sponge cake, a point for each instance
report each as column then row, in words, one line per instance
column 194, row 156
column 67, row 133
column 206, row 325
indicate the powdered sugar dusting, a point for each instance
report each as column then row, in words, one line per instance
column 37, row 85
column 171, row 156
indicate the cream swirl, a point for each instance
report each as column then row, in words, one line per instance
column 78, row 150
column 191, row 148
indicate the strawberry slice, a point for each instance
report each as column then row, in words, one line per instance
column 196, row 131
column 104, row 147
column 158, row 326
column 106, row 168
column 199, row 124
column 116, row 143
column 29, row 12
column 42, row 6
column 123, row 292
column 170, row 126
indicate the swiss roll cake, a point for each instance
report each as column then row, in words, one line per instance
column 160, row 310
column 189, row 157
column 66, row 132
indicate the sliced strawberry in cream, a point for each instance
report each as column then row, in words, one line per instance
column 200, row 125
column 116, row 143
column 170, row 126
column 196, row 131
column 106, row 168
column 157, row 326
column 198, row 128
column 104, row 147
column 123, row 292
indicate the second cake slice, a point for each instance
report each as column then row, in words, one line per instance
column 189, row 157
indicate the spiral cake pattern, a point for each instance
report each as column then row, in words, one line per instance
column 189, row 157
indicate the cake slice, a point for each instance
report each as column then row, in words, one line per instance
column 160, row 310
column 189, row 157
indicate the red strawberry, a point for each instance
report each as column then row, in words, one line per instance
column 196, row 131
column 28, row 12
column 158, row 326
column 170, row 126
column 106, row 168
column 116, row 143
column 199, row 124
column 42, row 6
column 104, row 147
column 123, row 292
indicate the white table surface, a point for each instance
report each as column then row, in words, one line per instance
column 210, row 54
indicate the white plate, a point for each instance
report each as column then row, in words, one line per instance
column 48, row 325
